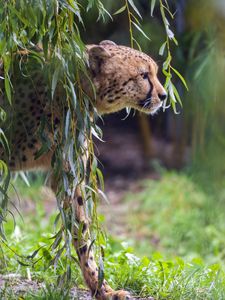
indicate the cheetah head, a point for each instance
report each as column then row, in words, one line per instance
column 124, row 77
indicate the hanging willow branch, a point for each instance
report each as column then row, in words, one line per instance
column 55, row 26
column 165, row 49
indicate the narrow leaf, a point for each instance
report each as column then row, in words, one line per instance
column 100, row 272
column 177, row 94
column 119, row 11
column 8, row 89
column 167, row 62
column 152, row 6
column 181, row 77
column 134, row 8
column 24, row 177
column 54, row 81
column 139, row 29
column 162, row 48
column 171, row 93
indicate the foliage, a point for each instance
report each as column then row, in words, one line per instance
column 194, row 215
column 200, row 58
column 159, row 274
column 31, row 242
column 208, row 124
column 168, row 69
column 180, row 218
column 54, row 25
column 164, row 279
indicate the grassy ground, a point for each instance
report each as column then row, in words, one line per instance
column 177, row 251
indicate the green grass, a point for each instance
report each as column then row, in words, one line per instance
column 178, row 218
column 26, row 234
column 166, row 279
column 180, row 244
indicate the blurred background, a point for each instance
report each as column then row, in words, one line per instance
column 173, row 140
column 167, row 147
column 164, row 174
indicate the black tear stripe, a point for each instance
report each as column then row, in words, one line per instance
column 151, row 89
column 149, row 95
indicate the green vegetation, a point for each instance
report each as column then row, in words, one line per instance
column 178, row 220
column 186, row 262
column 56, row 27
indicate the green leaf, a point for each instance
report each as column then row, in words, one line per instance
column 177, row 94
column 8, row 89
column 46, row 254
column 34, row 253
column 136, row 42
column 181, row 77
column 4, row 142
column 3, row 114
column 54, row 80
column 152, row 6
column 95, row 134
column 170, row 33
column 24, row 178
column 67, row 123
column 175, row 41
column 57, row 240
column 162, row 48
column 22, row 263
column 171, row 93
column 166, row 63
column 25, row 21
column 68, row 273
column 103, row 195
column 3, row 170
column 100, row 272
column 100, row 178
column 73, row 94
column 119, row 11
column 134, row 8
column 173, row 104
column 139, row 29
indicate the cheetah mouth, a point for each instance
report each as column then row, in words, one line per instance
column 149, row 105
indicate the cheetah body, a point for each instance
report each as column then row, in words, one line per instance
column 122, row 77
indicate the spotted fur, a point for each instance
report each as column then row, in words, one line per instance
column 122, row 77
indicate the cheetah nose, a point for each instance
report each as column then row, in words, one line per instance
column 163, row 96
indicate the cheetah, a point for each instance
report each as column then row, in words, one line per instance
column 122, row 77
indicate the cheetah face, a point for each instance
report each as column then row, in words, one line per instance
column 124, row 77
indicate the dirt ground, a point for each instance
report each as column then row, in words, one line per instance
column 21, row 286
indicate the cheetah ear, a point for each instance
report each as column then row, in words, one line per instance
column 97, row 55
column 107, row 42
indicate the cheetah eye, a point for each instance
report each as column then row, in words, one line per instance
column 144, row 75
